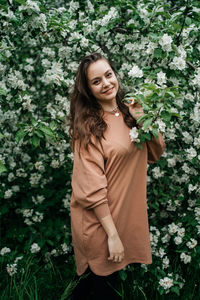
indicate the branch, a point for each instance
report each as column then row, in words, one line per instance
column 191, row 65
column 187, row 9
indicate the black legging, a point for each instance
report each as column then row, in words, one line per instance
column 97, row 286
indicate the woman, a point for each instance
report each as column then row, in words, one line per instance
column 109, row 220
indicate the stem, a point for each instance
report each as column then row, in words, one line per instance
column 187, row 8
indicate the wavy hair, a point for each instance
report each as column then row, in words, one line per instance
column 85, row 118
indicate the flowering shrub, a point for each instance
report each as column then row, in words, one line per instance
column 42, row 43
column 158, row 105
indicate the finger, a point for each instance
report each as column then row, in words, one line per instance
column 116, row 259
column 111, row 257
column 129, row 102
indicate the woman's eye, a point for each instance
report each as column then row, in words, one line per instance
column 109, row 73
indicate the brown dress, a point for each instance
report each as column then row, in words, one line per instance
column 111, row 178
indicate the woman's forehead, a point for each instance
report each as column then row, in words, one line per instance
column 98, row 69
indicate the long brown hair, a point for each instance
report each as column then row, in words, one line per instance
column 86, row 114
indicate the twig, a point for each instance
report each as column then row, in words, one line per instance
column 185, row 15
column 191, row 65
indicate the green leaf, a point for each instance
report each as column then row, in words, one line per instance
column 39, row 133
column 176, row 290
column 171, row 94
column 165, row 115
column 102, row 30
column 2, row 92
column 176, row 115
column 157, row 53
column 142, row 118
column 4, row 209
column 46, row 130
column 188, row 21
column 23, row 2
column 33, row 121
column 139, row 145
column 155, row 132
column 149, row 86
column 35, row 141
column 147, row 123
column 2, row 168
column 123, row 275
column 147, row 136
column 20, row 135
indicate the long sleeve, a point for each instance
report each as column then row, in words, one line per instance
column 155, row 148
column 89, row 182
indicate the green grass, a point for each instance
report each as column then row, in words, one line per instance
column 56, row 280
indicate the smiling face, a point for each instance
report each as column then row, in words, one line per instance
column 102, row 82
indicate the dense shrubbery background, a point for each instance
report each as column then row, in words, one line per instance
column 42, row 43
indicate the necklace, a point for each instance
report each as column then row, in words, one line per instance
column 114, row 110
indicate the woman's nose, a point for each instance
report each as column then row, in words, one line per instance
column 105, row 82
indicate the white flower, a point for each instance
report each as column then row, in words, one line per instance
column 28, row 222
column 191, row 188
column 35, row 178
column 165, row 262
column 165, row 238
column 30, row 6
column 38, row 217
column 191, row 153
column 161, row 125
column 177, row 63
column 150, row 48
column 173, row 228
column 73, row 6
column 178, row 240
column 11, row 269
column 185, row 258
column 196, row 80
column 8, row 194
column 90, row 6
column 160, row 252
column 187, row 137
column 165, row 42
column 181, row 232
column 166, row 282
column 54, row 164
column 133, row 133
column 54, row 252
column 157, row 173
column 65, row 248
column 135, row 72
column 192, row 243
column 4, row 251
column 185, row 168
column 35, row 248
column 27, row 212
column 38, row 199
column 161, row 78
column 171, row 162
column 39, row 166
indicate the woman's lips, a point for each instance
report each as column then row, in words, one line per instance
column 109, row 91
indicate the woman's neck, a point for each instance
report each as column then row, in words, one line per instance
column 109, row 105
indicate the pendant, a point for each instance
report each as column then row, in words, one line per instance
column 117, row 114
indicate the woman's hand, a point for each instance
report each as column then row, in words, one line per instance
column 116, row 248
column 136, row 110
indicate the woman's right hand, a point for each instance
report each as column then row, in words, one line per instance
column 116, row 248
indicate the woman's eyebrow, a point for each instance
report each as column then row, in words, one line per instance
column 99, row 77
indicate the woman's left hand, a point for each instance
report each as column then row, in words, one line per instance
column 136, row 110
